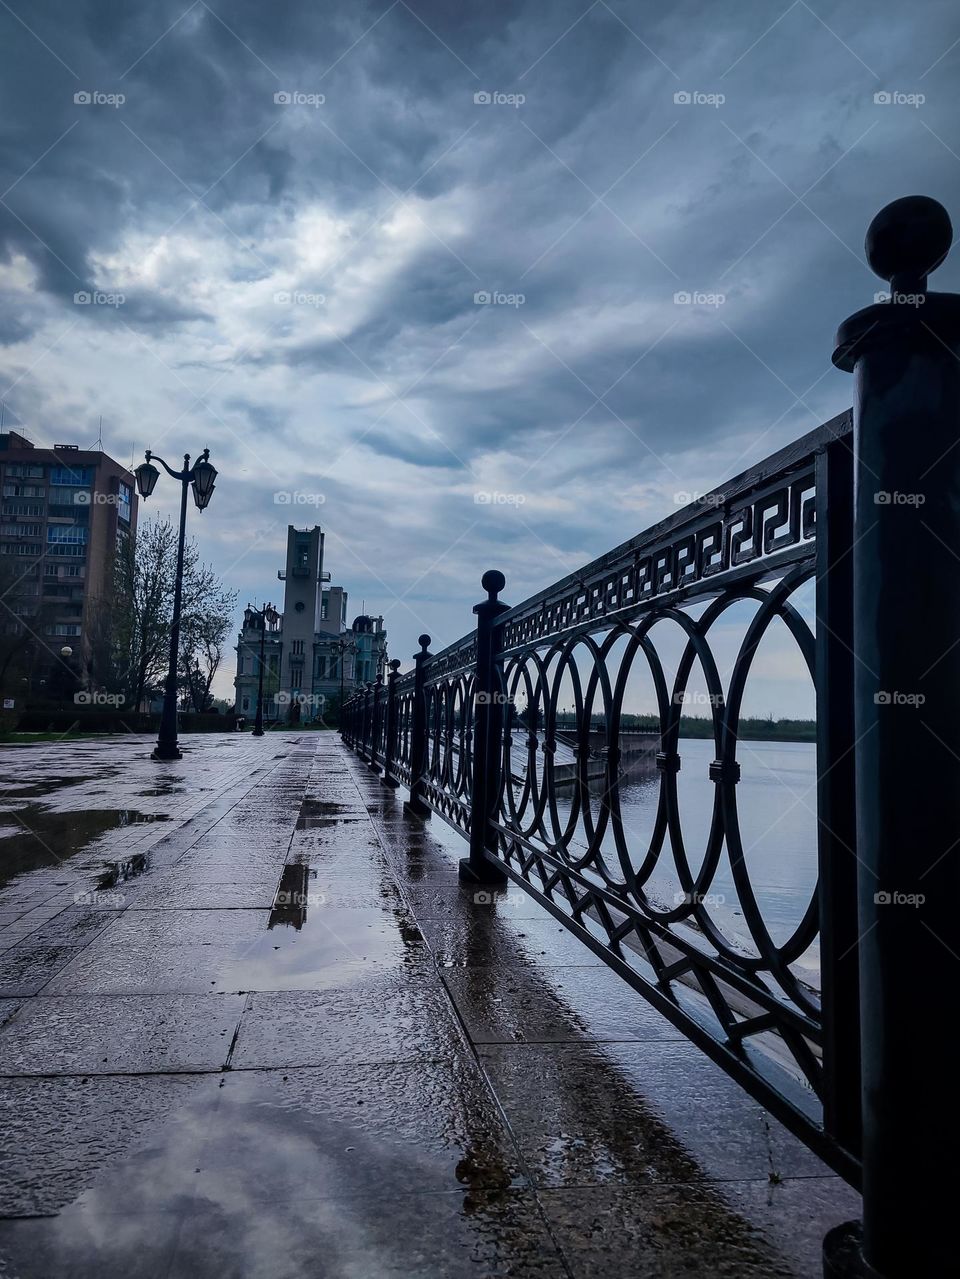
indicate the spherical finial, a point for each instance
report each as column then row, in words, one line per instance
column 493, row 582
column 908, row 239
column 424, row 642
column 394, row 663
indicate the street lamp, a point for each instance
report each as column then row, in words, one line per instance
column 266, row 614
column 202, row 476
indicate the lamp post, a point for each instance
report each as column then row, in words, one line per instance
column 266, row 614
column 202, row 475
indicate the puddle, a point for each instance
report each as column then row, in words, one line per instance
column 34, row 836
column 293, row 896
column 118, row 872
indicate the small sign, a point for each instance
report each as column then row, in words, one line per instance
column 8, row 703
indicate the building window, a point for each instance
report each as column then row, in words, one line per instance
column 19, row 530
column 240, row 665
column 71, row 474
column 66, row 533
column 321, row 668
column 245, row 705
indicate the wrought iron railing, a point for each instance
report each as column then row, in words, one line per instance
column 742, row 998
column 819, row 1020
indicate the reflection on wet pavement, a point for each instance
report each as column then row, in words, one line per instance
column 281, row 1040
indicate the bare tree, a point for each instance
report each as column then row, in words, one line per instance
column 204, row 627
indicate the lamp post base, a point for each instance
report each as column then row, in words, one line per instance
column 484, row 872
column 166, row 751
column 842, row 1255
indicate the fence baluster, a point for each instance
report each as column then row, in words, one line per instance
column 488, row 701
column 415, row 806
column 390, row 734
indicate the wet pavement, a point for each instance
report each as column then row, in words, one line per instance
column 268, row 1034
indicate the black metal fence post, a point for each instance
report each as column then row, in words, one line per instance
column 365, row 730
column 414, row 806
column 905, row 355
column 390, row 736
column 372, row 758
column 488, row 700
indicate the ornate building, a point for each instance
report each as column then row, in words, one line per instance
column 311, row 655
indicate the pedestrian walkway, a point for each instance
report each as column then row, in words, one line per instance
column 291, row 1044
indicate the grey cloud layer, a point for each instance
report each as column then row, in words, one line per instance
column 396, row 396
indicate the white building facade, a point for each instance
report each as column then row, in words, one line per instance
column 312, row 656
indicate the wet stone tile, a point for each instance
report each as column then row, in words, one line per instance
column 487, row 940
column 27, row 967
column 131, row 1034
column 480, row 1234
column 633, row 1113
column 733, row 1230
column 179, row 895
column 328, row 1132
column 85, row 1244
column 375, row 1017
column 138, row 1134
column 7, row 1008
column 515, row 1005
column 219, row 929
column 446, row 898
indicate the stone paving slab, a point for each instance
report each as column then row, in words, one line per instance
column 562, row 1005
column 124, row 1034
column 390, row 1077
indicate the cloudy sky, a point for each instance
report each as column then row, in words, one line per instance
column 300, row 204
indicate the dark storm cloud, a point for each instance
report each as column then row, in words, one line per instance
column 400, row 200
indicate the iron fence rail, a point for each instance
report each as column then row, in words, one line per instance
column 743, row 1000
column 863, row 512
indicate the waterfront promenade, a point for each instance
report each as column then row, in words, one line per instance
column 372, row 1074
